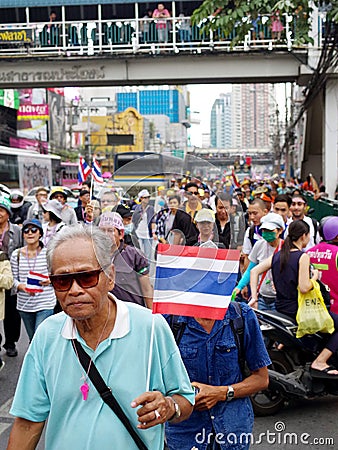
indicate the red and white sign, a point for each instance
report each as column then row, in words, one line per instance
column 33, row 112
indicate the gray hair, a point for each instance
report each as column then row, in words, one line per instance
column 101, row 243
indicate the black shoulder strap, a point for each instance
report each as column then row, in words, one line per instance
column 251, row 234
column 315, row 226
column 237, row 327
column 106, row 393
column 177, row 328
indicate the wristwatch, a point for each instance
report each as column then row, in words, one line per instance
column 177, row 413
column 230, row 394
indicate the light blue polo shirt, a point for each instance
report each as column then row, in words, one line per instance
column 51, row 376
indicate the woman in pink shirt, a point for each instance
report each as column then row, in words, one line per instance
column 324, row 256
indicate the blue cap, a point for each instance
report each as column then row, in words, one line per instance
column 34, row 223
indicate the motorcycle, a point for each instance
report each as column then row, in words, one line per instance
column 289, row 373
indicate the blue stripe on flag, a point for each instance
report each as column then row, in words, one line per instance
column 205, row 282
column 33, row 282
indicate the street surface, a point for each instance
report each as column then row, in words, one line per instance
column 299, row 426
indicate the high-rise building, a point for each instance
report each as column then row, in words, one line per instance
column 169, row 101
column 251, row 126
column 241, row 119
column 221, row 122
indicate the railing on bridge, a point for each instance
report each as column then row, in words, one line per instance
column 137, row 36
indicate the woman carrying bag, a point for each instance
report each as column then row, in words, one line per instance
column 291, row 273
column 36, row 296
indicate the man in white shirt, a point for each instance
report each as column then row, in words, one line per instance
column 298, row 211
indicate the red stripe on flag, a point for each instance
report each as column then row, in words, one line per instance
column 40, row 275
column 189, row 310
column 198, row 252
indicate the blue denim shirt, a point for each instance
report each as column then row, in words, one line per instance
column 213, row 359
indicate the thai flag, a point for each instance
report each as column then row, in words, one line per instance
column 84, row 170
column 194, row 281
column 96, row 171
column 33, row 285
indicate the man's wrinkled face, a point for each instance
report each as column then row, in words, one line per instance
column 79, row 256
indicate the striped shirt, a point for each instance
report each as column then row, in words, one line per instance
column 20, row 268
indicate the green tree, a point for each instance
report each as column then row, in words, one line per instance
column 232, row 19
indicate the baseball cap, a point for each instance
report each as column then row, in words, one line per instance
column 124, row 211
column 205, row 215
column 5, row 202
column 34, row 223
column 143, row 193
column 111, row 219
column 272, row 221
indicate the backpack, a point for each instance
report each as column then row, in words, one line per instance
column 237, row 327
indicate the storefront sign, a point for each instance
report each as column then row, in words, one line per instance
column 15, row 36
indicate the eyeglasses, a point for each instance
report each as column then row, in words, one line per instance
column 86, row 280
column 191, row 193
column 32, row 230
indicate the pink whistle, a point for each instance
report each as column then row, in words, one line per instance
column 84, row 389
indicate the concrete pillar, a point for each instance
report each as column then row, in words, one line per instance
column 330, row 144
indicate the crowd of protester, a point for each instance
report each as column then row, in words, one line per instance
column 251, row 216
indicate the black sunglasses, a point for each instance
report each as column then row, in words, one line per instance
column 31, row 229
column 192, row 193
column 86, row 280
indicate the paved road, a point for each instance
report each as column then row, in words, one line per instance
column 296, row 427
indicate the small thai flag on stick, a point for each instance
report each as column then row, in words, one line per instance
column 96, row 171
column 33, row 285
column 84, row 170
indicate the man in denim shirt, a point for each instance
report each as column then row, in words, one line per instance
column 223, row 414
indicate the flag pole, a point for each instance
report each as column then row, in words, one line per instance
column 151, row 345
column 91, row 187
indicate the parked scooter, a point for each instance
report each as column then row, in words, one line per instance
column 289, row 373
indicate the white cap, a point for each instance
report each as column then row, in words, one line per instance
column 143, row 193
column 205, row 215
column 272, row 221
column 111, row 219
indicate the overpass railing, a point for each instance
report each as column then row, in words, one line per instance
column 138, row 36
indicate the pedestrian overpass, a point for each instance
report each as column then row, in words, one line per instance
column 104, row 52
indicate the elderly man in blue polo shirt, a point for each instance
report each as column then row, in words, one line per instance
column 116, row 336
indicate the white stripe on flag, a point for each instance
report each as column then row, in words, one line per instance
column 186, row 262
column 192, row 298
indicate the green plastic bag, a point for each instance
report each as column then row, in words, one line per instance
column 312, row 315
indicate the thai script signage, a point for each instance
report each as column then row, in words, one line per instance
column 77, row 73
column 16, row 35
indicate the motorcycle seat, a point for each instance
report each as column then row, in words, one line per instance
column 286, row 320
